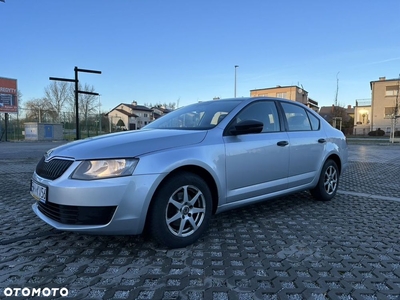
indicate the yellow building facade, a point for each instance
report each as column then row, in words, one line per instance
column 385, row 104
column 292, row 92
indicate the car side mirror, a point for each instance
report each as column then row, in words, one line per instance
column 246, row 127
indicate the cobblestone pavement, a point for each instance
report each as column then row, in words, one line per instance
column 288, row 248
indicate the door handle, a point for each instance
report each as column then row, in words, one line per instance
column 282, row 143
column 321, row 141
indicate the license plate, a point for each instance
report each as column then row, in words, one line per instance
column 39, row 192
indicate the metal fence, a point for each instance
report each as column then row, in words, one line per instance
column 90, row 125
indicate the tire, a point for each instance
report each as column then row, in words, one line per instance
column 180, row 211
column 328, row 182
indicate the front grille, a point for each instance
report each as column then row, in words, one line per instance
column 53, row 168
column 77, row 215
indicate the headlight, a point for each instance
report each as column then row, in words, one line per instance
column 108, row 168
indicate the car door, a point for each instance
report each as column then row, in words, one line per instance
column 256, row 163
column 307, row 144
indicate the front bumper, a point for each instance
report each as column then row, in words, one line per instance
column 109, row 206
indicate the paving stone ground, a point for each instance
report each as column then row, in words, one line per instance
column 287, row 248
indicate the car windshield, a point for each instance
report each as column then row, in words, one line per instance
column 203, row 115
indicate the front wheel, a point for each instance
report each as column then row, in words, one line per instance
column 180, row 211
column 328, row 182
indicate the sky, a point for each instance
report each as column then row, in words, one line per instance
column 185, row 51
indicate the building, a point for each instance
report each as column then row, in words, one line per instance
column 385, row 105
column 362, row 117
column 129, row 116
column 159, row 111
column 339, row 117
column 292, row 92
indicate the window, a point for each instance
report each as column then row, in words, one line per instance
column 392, row 90
column 297, row 117
column 263, row 111
column 145, row 115
column 314, row 121
column 363, row 118
column 389, row 112
column 281, row 95
column 202, row 115
column 218, row 117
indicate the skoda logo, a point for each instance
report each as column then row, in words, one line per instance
column 47, row 155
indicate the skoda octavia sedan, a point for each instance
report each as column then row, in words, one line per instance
column 171, row 176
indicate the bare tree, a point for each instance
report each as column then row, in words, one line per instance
column 40, row 110
column 87, row 103
column 19, row 103
column 57, row 95
column 19, row 97
column 170, row 105
column 338, row 111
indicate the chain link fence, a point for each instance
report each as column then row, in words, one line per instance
column 90, row 125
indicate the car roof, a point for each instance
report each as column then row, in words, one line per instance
column 251, row 99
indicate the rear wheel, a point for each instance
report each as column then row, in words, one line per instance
column 181, row 210
column 328, row 182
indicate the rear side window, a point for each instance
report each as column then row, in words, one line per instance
column 296, row 117
column 314, row 121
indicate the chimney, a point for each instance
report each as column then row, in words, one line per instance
column 349, row 106
column 382, row 78
column 134, row 103
column 333, row 108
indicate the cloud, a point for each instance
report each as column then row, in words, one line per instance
column 382, row 61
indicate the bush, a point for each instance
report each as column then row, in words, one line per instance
column 378, row 132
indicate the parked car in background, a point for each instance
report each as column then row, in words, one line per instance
column 197, row 161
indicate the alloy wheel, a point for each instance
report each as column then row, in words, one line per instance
column 331, row 180
column 185, row 211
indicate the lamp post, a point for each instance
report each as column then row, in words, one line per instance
column 236, row 66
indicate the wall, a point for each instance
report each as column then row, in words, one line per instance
column 43, row 132
column 379, row 101
column 293, row 93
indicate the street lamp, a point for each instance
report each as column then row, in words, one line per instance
column 236, row 66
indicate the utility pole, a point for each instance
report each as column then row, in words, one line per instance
column 236, row 66
column 77, row 92
column 395, row 113
column 6, row 126
column 99, row 115
column 396, row 107
column 336, row 110
column 337, row 89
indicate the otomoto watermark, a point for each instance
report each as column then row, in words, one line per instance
column 35, row 292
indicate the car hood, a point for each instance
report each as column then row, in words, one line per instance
column 128, row 143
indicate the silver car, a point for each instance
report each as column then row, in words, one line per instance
column 171, row 176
